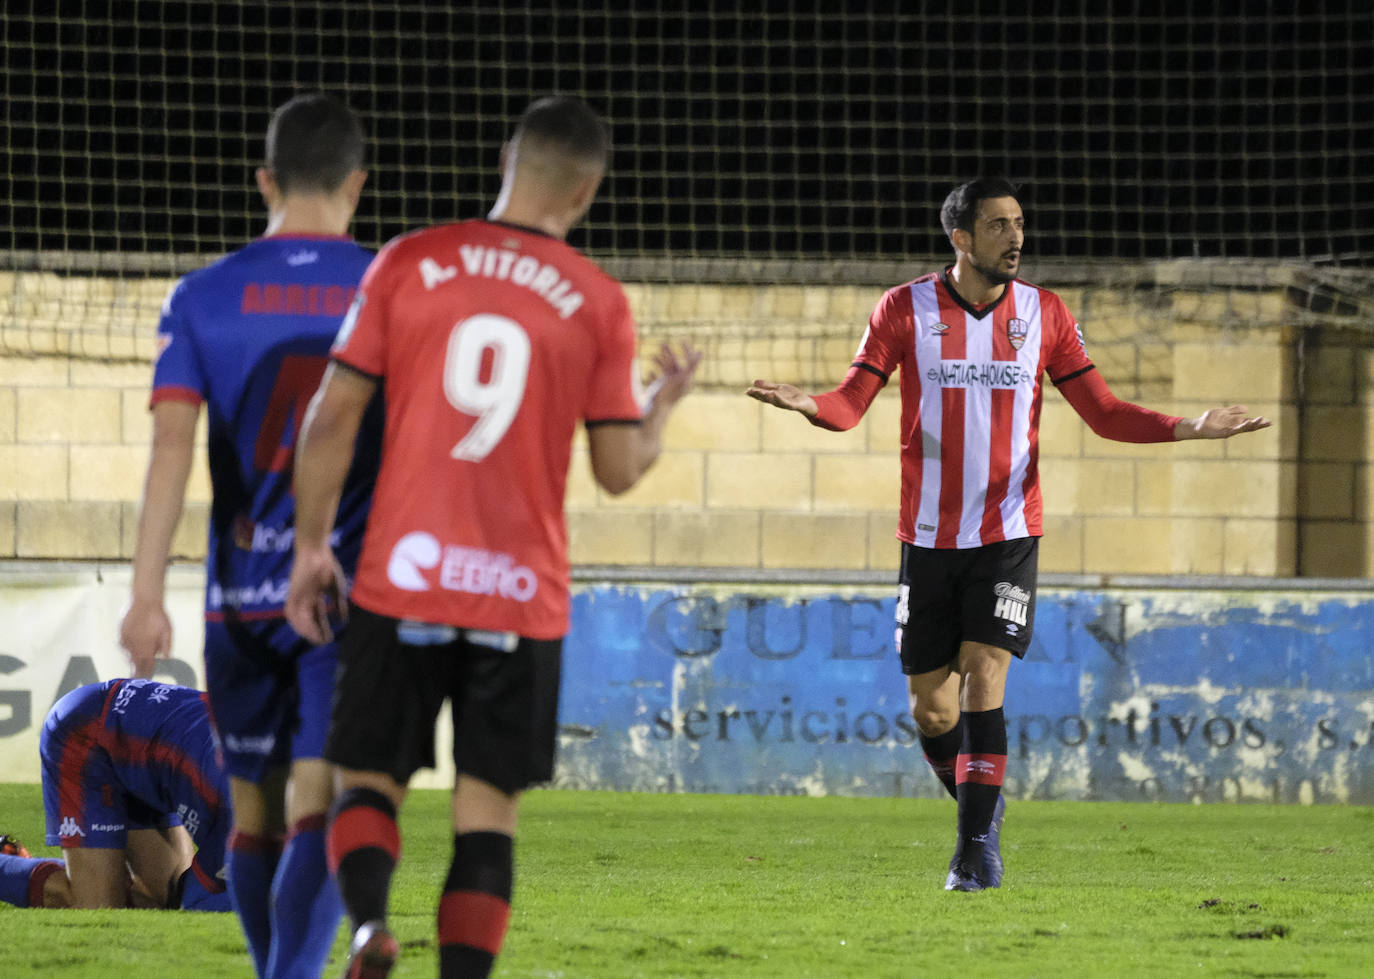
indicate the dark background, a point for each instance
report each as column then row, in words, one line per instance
column 1140, row 130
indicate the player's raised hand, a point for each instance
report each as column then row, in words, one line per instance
column 675, row 374
column 1222, row 423
column 317, row 587
column 146, row 635
column 783, row 396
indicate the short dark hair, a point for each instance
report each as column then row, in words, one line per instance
column 960, row 209
column 567, row 125
column 314, row 142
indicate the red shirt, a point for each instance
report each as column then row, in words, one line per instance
column 493, row 342
column 971, row 396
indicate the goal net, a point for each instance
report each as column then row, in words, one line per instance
column 776, row 164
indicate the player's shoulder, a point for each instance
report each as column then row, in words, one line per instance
column 231, row 270
column 1049, row 300
column 897, row 301
column 411, row 248
column 1046, row 295
column 902, row 293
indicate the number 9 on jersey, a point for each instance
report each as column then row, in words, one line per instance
column 495, row 400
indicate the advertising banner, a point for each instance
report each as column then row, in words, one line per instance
column 1125, row 694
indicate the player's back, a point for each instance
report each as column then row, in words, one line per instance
column 495, row 341
column 249, row 336
column 157, row 736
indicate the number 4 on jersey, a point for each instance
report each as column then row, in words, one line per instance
column 495, row 399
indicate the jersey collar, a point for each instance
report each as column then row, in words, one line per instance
column 519, row 227
column 304, row 236
column 967, row 306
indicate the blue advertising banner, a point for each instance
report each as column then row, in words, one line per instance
column 1125, row 694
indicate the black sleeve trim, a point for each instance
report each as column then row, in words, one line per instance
column 872, row 370
column 1056, row 381
column 356, row 370
column 597, row 422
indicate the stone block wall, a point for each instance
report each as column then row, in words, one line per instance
column 741, row 485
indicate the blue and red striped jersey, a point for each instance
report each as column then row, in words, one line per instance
column 155, row 739
column 249, row 337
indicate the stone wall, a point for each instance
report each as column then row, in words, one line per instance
column 744, row 486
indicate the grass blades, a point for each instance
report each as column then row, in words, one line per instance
column 626, row 885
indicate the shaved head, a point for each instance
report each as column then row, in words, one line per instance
column 561, row 141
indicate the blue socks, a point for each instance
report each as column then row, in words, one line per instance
column 252, row 861
column 306, row 908
column 21, row 879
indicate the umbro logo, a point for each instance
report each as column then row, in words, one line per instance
column 985, row 767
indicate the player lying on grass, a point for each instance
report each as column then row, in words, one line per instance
column 134, row 793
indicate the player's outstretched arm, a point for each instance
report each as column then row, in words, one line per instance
column 1122, row 421
column 145, row 632
column 1220, row 423
column 621, row 454
column 836, row 411
column 324, row 453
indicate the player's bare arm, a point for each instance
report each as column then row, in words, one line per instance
column 1220, row 423
column 146, row 632
column 783, row 396
column 622, row 454
column 324, row 453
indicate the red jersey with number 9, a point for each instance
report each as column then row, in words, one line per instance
column 493, row 342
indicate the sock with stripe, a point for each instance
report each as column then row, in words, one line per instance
column 978, row 774
column 252, row 861
column 475, row 907
column 22, row 879
column 306, row 908
column 942, row 752
column 363, row 844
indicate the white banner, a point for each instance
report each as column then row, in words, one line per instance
column 59, row 629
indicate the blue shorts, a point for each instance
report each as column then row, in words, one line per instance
column 270, row 693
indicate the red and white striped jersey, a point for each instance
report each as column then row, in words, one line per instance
column 971, row 394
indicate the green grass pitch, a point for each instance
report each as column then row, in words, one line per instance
column 612, row 885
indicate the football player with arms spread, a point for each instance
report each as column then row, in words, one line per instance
column 973, row 343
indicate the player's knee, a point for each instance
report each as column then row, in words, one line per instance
column 934, row 719
column 310, row 789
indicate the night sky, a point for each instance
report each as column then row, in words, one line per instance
column 1143, row 130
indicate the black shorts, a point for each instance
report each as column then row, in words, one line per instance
column 979, row 594
column 394, row 677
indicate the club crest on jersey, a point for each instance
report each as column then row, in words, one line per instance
column 1017, row 330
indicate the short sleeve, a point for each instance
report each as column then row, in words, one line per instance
column 177, row 374
column 1066, row 354
column 616, row 394
column 888, row 334
column 361, row 340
